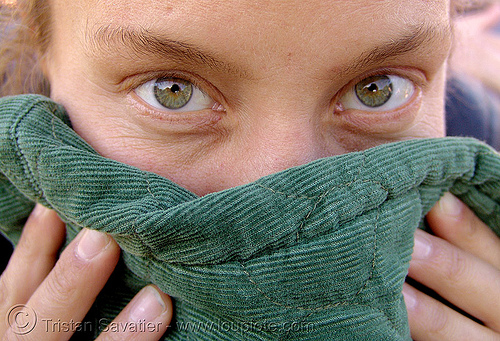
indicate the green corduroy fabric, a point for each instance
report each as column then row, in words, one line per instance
column 315, row 252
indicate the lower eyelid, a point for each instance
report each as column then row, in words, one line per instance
column 190, row 122
column 198, row 101
column 349, row 99
column 381, row 122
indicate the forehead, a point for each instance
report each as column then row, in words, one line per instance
column 270, row 34
column 263, row 10
column 264, row 20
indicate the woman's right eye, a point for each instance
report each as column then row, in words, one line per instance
column 174, row 94
column 379, row 93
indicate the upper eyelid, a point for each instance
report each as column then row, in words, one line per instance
column 417, row 77
column 340, row 102
column 132, row 82
column 217, row 106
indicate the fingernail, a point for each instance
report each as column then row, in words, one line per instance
column 91, row 244
column 422, row 247
column 147, row 306
column 39, row 210
column 450, row 205
column 410, row 298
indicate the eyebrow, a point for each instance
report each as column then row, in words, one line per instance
column 143, row 42
column 414, row 39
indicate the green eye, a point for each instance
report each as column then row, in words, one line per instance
column 374, row 91
column 378, row 93
column 173, row 93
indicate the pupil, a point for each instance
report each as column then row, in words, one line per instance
column 373, row 87
column 175, row 88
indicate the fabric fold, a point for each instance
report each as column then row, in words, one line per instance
column 322, row 247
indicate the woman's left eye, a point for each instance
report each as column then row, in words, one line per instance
column 378, row 93
column 174, row 94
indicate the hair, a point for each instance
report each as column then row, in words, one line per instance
column 24, row 39
column 25, row 32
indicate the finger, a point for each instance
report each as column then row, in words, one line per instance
column 431, row 320
column 32, row 259
column 68, row 292
column 148, row 314
column 462, row 279
column 453, row 221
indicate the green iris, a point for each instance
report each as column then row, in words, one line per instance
column 374, row 91
column 173, row 93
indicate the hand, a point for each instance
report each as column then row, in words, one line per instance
column 461, row 263
column 64, row 289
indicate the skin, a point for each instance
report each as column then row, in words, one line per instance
column 279, row 106
column 61, row 291
column 278, row 74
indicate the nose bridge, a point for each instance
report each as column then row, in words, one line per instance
column 280, row 139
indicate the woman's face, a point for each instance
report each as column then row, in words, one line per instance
column 216, row 93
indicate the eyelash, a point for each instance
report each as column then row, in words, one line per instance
column 146, row 87
column 414, row 80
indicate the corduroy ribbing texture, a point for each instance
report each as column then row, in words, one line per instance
column 315, row 252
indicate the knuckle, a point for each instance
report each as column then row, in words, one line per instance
column 438, row 319
column 61, row 284
column 28, row 246
column 5, row 290
column 470, row 225
column 456, row 265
